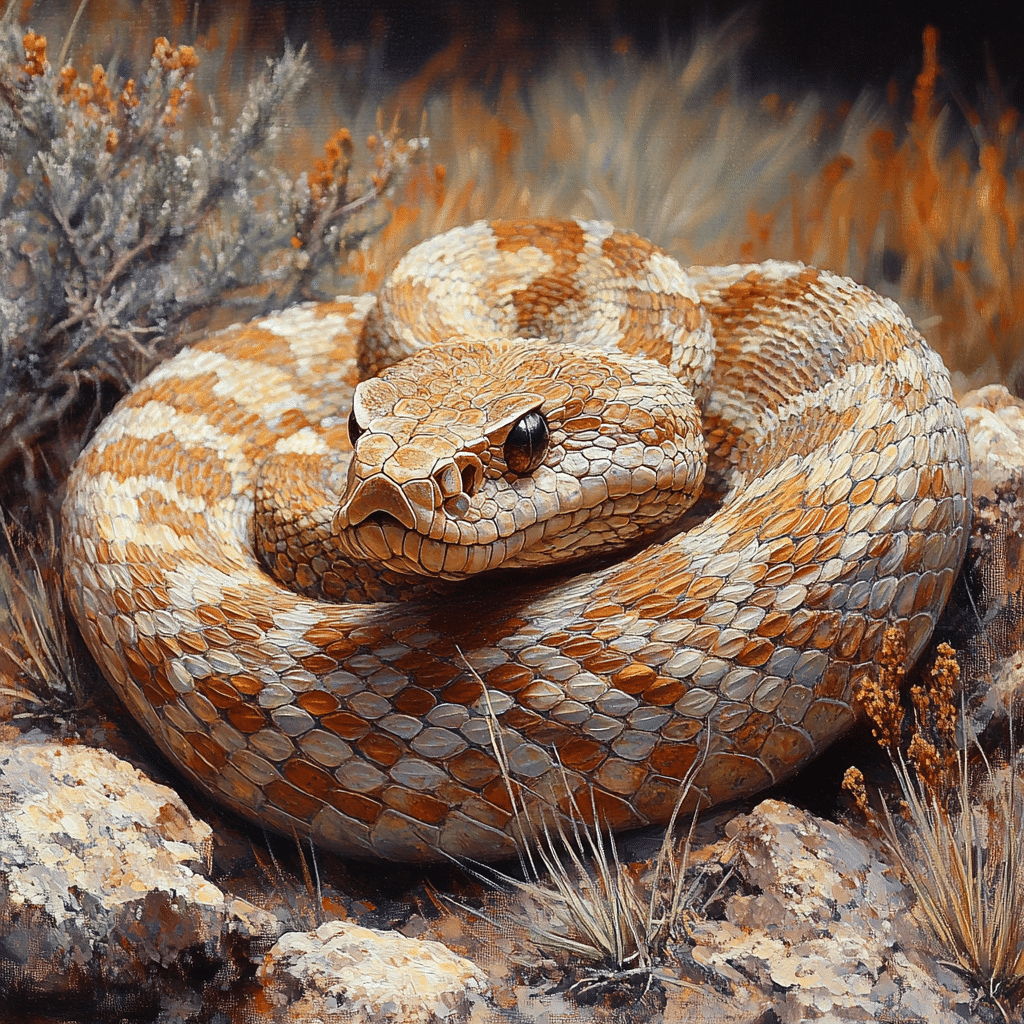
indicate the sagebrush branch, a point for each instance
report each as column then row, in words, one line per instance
column 126, row 207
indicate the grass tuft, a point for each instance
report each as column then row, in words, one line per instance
column 580, row 903
column 38, row 665
column 958, row 836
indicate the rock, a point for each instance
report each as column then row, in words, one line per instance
column 1002, row 698
column 101, row 875
column 986, row 615
column 816, row 917
column 995, row 426
column 368, row 975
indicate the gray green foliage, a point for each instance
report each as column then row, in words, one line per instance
column 127, row 207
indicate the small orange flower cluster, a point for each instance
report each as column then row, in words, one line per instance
column 853, row 783
column 176, row 58
column 35, row 53
column 93, row 99
column 128, row 97
column 97, row 100
column 880, row 696
column 933, row 750
column 332, row 172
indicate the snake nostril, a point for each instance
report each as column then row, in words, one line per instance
column 469, row 482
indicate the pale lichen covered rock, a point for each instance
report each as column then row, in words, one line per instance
column 101, row 874
column 995, row 428
column 992, row 614
column 369, row 975
column 815, row 923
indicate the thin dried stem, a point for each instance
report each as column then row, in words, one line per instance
column 959, row 838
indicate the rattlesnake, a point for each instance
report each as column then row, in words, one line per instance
column 345, row 699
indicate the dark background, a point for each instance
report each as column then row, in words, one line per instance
column 837, row 46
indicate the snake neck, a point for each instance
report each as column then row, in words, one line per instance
column 293, row 538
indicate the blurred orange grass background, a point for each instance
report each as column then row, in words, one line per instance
column 918, row 196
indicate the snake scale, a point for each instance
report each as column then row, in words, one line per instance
column 325, row 638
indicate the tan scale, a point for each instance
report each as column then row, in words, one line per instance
column 303, row 628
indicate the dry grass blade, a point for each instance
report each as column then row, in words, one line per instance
column 581, row 901
column 959, row 839
column 962, row 854
column 33, row 621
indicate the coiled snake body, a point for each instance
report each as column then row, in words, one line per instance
column 305, row 631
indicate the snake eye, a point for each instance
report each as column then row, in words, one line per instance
column 527, row 443
column 354, row 430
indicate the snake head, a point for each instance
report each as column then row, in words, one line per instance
column 480, row 454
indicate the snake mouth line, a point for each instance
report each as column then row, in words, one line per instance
column 382, row 536
column 383, row 519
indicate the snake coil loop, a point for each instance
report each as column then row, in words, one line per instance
column 308, row 631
